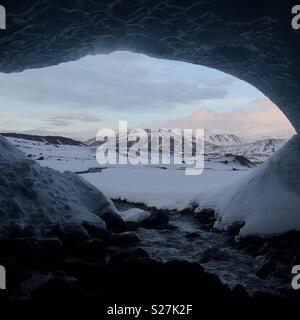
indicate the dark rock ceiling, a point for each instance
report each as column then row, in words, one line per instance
column 252, row 40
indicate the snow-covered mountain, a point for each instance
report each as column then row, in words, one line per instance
column 257, row 151
column 66, row 154
column 163, row 138
column 55, row 140
column 90, row 142
column 223, row 139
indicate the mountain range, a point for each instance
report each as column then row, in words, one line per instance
column 219, row 147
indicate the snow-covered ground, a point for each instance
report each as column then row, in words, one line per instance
column 58, row 157
column 64, row 157
column 33, row 197
column 266, row 197
column 163, row 189
column 159, row 186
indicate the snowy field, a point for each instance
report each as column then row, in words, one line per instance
column 58, row 157
column 163, row 189
column 166, row 187
column 264, row 197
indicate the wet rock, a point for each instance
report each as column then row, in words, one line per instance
column 23, row 251
column 263, row 249
column 235, row 227
column 51, row 246
column 213, row 254
column 205, row 215
column 209, row 226
column 157, row 219
column 164, row 278
column 18, row 230
column 139, row 252
column 265, row 298
column 94, row 276
column 72, row 234
column 123, row 257
column 296, row 260
column 91, row 276
column 92, row 250
column 51, row 252
column 124, row 238
column 113, row 221
column 183, row 275
column 193, row 235
column 28, row 231
column 74, row 266
column 240, row 293
column 58, row 289
column 206, row 218
column 59, row 274
column 11, row 210
column 251, row 244
column 131, row 225
column 95, row 231
column 33, row 252
column 266, row 268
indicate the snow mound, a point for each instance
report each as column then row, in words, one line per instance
column 31, row 195
column 8, row 152
column 268, row 199
column 135, row 215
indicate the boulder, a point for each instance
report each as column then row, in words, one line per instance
column 124, row 239
column 92, row 250
column 58, row 289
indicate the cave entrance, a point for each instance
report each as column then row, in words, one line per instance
column 54, row 113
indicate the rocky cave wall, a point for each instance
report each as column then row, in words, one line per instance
column 250, row 39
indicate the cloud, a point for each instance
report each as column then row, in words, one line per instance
column 115, row 82
column 68, row 119
column 68, row 98
column 222, row 81
column 264, row 119
column 36, row 132
column 58, row 123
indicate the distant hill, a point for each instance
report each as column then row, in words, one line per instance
column 90, row 142
column 58, row 140
column 64, row 153
column 221, row 143
column 257, row 151
column 223, row 139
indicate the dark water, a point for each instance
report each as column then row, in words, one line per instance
column 211, row 250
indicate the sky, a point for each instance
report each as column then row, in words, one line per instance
column 76, row 99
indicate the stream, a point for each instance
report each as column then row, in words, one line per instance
column 186, row 240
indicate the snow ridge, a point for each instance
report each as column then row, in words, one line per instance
column 268, row 199
column 36, row 197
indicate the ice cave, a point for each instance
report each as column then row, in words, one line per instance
column 255, row 44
